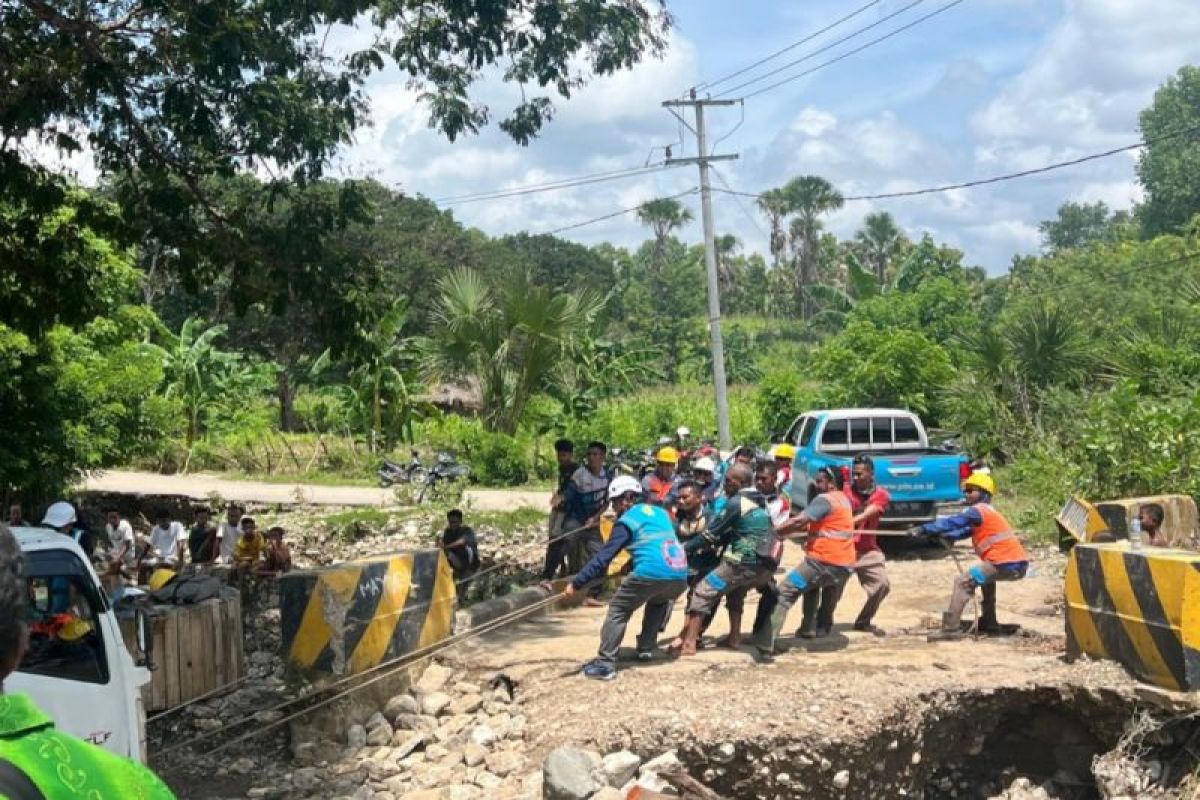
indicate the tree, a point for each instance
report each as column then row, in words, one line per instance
column 1081, row 224
column 171, row 93
column 1167, row 167
column 774, row 206
column 807, row 198
column 510, row 339
column 379, row 379
column 880, row 241
column 199, row 375
column 663, row 216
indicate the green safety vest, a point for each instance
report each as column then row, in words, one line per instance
column 64, row 767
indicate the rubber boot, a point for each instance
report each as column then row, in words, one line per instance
column 829, row 600
column 809, row 603
column 987, row 613
column 951, row 631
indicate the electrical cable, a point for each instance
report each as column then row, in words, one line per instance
column 856, row 50
column 740, row 204
column 711, row 84
column 566, row 183
column 620, row 213
column 822, row 49
column 998, row 178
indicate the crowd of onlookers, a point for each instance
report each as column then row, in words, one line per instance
column 235, row 544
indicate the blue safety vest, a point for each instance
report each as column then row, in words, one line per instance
column 654, row 548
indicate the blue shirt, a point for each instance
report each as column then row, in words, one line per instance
column 648, row 534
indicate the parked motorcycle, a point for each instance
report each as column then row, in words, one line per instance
column 392, row 472
column 445, row 472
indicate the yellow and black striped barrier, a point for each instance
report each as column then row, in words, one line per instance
column 1138, row 607
column 351, row 617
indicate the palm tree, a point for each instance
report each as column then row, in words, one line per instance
column 774, row 206
column 836, row 302
column 663, row 216
column 727, row 246
column 511, row 340
column 880, row 240
column 808, row 197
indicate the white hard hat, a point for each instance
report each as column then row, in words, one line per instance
column 622, row 485
column 59, row 514
column 683, row 431
column 704, row 464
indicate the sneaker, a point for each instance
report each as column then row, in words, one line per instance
column 599, row 672
column 645, row 655
column 866, row 627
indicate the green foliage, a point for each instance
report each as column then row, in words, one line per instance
column 1167, row 167
column 781, row 397
column 636, row 421
column 1081, row 224
column 866, row 366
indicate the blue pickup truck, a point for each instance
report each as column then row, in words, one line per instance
column 916, row 476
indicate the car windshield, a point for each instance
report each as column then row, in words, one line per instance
column 63, row 613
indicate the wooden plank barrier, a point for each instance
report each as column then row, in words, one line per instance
column 197, row 650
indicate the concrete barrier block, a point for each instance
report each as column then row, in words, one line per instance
column 345, row 619
column 1138, row 607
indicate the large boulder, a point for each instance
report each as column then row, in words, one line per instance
column 567, row 775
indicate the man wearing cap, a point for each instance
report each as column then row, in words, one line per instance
column 61, row 517
column 1002, row 557
column 658, row 574
column 659, row 487
column 783, row 455
column 703, row 474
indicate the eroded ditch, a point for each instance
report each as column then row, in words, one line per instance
column 1070, row 743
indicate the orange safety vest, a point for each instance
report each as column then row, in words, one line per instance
column 832, row 538
column 994, row 539
column 659, row 488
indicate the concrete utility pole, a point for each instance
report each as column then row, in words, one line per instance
column 710, row 252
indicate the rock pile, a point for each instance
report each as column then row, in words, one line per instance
column 449, row 737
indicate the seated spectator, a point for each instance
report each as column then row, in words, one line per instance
column 121, row 546
column 461, row 549
column 278, row 558
column 229, row 532
column 165, row 545
column 202, row 541
column 1151, row 516
column 16, row 517
column 251, row 544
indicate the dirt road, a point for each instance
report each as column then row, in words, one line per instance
column 200, row 486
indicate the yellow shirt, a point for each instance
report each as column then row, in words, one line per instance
column 249, row 548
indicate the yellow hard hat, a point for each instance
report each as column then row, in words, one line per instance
column 980, row 480
column 74, row 630
column 667, row 455
column 160, row 578
column 785, row 451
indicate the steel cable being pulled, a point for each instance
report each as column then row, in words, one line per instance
column 407, row 660
column 384, row 665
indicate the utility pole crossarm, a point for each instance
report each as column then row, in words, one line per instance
column 698, row 102
column 674, row 161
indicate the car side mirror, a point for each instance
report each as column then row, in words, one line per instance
column 145, row 639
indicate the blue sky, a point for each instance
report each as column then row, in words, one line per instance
column 988, row 87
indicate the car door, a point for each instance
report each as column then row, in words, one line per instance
column 802, row 461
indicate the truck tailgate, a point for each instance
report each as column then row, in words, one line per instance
column 920, row 477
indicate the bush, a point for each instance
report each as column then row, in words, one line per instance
column 501, row 460
column 637, row 421
column 780, row 398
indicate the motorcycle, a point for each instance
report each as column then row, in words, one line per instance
column 446, row 471
column 392, row 472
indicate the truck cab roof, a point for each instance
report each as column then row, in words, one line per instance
column 33, row 539
column 860, row 412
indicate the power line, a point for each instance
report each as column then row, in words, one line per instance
column 858, row 49
column 823, row 49
column 740, row 204
column 565, row 183
column 1000, row 178
column 711, row 84
column 620, row 213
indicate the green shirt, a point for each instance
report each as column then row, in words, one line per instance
column 65, row 768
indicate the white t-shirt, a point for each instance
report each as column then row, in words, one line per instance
column 229, row 535
column 164, row 541
column 120, row 537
